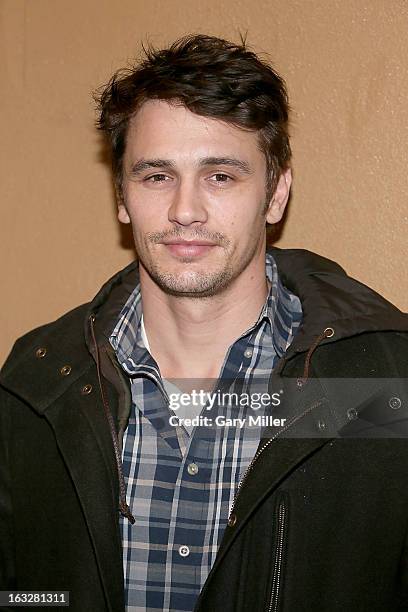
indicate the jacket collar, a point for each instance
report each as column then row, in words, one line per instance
column 329, row 298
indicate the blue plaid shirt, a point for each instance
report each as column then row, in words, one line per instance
column 180, row 487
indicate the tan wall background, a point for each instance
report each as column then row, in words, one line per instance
column 345, row 62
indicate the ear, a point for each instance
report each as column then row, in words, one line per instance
column 123, row 214
column 280, row 197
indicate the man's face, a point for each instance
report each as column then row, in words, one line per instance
column 194, row 191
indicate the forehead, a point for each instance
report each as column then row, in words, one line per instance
column 168, row 129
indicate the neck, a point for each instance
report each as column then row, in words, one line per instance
column 189, row 337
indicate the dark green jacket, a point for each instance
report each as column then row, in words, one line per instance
column 320, row 520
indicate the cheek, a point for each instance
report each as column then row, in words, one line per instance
column 145, row 209
column 246, row 220
column 140, row 213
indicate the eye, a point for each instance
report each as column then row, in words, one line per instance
column 157, row 178
column 220, row 177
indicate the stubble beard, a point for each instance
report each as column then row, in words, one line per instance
column 195, row 284
column 192, row 284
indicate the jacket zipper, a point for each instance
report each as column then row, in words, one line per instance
column 276, row 580
column 261, row 450
column 277, row 567
column 327, row 333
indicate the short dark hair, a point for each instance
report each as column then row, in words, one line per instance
column 211, row 77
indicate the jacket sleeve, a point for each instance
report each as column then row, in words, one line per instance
column 7, row 557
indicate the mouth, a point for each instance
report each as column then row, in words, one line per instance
column 188, row 248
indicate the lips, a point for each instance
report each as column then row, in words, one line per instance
column 189, row 248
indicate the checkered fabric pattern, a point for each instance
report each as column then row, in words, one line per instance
column 180, row 487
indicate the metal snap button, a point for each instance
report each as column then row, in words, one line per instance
column 86, row 389
column 192, row 469
column 352, row 414
column 394, row 403
column 184, row 551
column 65, row 370
column 248, row 352
column 40, row 353
column 329, row 332
column 232, row 520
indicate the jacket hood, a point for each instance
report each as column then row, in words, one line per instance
column 329, row 297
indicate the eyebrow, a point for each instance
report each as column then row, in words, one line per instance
column 145, row 164
column 227, row 161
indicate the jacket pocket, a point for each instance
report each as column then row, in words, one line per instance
column 281, row 528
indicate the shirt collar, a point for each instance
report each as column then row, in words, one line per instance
column 282, row 311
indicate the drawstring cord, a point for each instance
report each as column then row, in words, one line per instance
column 327, row 333
column 123, row 507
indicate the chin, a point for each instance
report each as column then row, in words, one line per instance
column 192, row 284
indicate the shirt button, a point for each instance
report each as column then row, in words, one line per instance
column 192, row 469
column 248, row 352
column 184, row 551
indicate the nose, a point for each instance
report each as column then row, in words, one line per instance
column 187, row 206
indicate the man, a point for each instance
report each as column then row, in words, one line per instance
column 121, row 488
